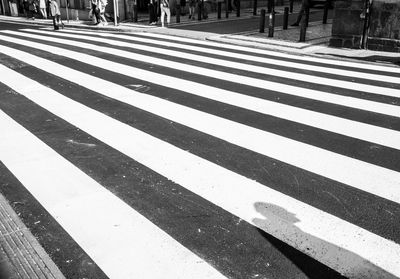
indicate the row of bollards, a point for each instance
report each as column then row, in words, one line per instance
column 271, row 18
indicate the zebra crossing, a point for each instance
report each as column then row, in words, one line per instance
column 305, row 150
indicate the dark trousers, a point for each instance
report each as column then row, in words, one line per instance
column 96, row 12
column 152, row 13
column 303, row 9
column 56, row 22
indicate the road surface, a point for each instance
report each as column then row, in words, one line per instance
column 144, row 155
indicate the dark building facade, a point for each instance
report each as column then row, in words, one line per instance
column 374, row 26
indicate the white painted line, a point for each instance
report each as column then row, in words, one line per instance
column 334, row 124
column 122, row 242
column 256, row 82
column 297, row 65
column 347, row 248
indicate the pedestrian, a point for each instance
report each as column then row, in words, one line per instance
column 55, row 13
column 153, row 12
column 232, row 5
column 192, row 6
column 204, row 8
column 25, row 5
column 164, row 7
column 42, row 7
column 102, row 10
column 31, row 9
column 96, row 11
column 305, row 5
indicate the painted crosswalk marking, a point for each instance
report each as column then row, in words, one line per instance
column 106, row 232
column 281, row 88
column 189, row 171
column 352, row 172
column 247, row 57
column 350, row 128
column 263, row 84
column 356, row 65
column 333, row 241
column 246, row 67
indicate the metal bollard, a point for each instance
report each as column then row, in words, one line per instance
column 135, row 13
column 326, row 8
column 291, row 6
column 303, row 27
column 199, row 10
column 238, row 8
column 255, row 7
column 285, row 18
column 219, row 9
column 226, row 8
column 271, row 24
column 178, row 13
column 150, row 7
column 262, row 20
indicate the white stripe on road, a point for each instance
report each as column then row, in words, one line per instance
column 256, row 82
column 367, row 177
column 122, row 242
column 213, row 51
column 334, row 124
column 341, row 245
column 342, row 63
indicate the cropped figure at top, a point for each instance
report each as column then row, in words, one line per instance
column 55, row 14
column 153, row 18
column 96, row 10
column 192, row 6
column 42, row 7
column 31, row 9
column 164, row 6
column 102, row 9
column 305, row 4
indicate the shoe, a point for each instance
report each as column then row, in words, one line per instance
column 294, row 24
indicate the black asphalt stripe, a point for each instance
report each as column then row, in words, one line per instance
column 363, row 209
column 70, row 258
column 229, row 244
column 324, row 74
column 230, row 85
column 351, row 147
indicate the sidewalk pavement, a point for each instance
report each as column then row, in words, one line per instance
column 20, row 254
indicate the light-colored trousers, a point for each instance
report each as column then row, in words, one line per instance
column 165, row 10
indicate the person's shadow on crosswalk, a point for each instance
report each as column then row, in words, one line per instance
column 281, row 228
